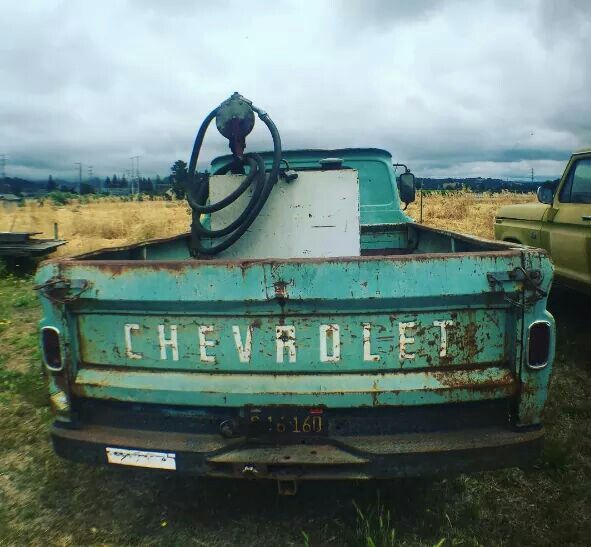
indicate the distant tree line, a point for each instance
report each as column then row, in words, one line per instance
column 175, row 184
column 479, row 184
column 146, row 184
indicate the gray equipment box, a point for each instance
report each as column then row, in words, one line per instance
column 313, row 216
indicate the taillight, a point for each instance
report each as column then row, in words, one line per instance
column 538, row 344
column 50, row 347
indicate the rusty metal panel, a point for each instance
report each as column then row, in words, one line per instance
column 290, row 455
column 355, row 457
column 290, row 343
column 330, row 390
column 415, row 353
column 341, row 332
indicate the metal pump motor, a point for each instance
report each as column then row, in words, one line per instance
column 235, row 120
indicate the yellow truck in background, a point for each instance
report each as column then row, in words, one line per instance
column 560, row 223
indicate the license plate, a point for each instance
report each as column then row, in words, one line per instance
column 286, row 421
column 141, row 458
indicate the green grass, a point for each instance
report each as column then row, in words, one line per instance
column 46, row 501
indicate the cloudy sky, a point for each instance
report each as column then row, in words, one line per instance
column 454, row 88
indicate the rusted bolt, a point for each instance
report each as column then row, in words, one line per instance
column 280, row 289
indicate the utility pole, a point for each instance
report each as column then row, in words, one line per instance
column 130, row 181
column 532, row 175
column 135, row 173
column 79, row 176
column 3, row 165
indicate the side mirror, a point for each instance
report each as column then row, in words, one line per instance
column 407, row 187
column 545, row 194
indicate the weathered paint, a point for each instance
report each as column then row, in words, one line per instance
column 306, row 343
column 404, row 329
column 534, row 383
column 379, row 197
column 347, row 457
column 423, row 322
column 335, row 390
column 562, row 227
column 315, row 216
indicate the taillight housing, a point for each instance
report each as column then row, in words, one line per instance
column 51, row 349
column 539, row 338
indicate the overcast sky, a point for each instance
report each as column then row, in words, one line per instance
column 457, row 88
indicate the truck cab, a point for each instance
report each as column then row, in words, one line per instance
column 560, row 223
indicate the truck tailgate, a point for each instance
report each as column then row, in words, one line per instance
column 402, row 330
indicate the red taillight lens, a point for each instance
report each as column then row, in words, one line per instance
column 538, row 348
column 50, row 346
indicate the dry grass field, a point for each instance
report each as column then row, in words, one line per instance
column 98, row 223
column 464, row 211
column 48, row 501
column 104, row 222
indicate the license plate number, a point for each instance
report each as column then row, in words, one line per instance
column 141, row 458
column 281, row 421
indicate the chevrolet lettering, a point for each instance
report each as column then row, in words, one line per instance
column 207, row 338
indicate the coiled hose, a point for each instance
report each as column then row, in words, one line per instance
column 198, row 190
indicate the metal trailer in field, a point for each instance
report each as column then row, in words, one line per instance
column 21, row 244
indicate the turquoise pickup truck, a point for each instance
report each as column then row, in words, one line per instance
column 560, row 223
column 426, row 352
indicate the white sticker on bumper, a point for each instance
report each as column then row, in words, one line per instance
column 141, row 458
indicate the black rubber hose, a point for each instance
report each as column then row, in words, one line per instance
column 230, row 198
column 197, row 191
column 199, row 142
column 205, row 232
